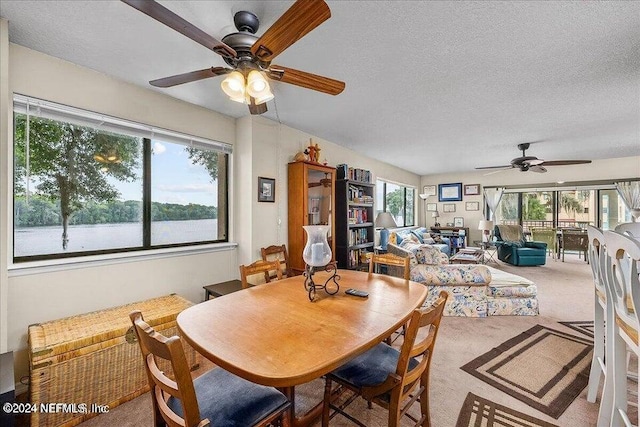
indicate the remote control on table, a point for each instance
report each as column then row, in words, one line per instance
column 357, row 293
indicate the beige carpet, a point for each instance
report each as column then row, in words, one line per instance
column 565, row 294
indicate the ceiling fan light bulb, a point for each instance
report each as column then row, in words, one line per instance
column 257, row 85
column 264, row 98
column 233, row 85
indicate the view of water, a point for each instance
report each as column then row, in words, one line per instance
column 48, row 240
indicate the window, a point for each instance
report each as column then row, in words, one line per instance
column 595, row 204
column 398, row 200
column 86, row 184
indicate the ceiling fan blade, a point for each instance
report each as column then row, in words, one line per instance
column 192, row 76
column 496, row 167
column 295, row 23
column 538, row 169
column 564, row 162
column 257, row 109
column 505, row 168
column 306, row 80
column 170, row 19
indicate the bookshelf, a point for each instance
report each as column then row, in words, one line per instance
column 354, row 217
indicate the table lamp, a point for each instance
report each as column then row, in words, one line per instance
column 485, row 226
column 435, row 215
column 386, row 221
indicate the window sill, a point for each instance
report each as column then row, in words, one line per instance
column 40, row 267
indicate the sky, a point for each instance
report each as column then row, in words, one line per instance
column 173, row 179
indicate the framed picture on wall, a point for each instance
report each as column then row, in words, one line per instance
column 266, row 189
column 432, row 207
column 458, row 221
column 448, row 207
column 450, row 192
column 429, row 190
column 472, row 206
column 472, row 189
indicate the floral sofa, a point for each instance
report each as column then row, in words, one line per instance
column 474, row 290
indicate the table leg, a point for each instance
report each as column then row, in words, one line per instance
column 311, row 416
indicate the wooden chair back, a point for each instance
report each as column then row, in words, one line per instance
column 575, row 240
column 596, row 259
column 155, row 345
column 412, row 383
column 547, row 235
column 391, row 260
column 259, row 267
column 276, row 252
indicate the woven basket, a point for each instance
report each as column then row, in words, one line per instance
column 94, row 358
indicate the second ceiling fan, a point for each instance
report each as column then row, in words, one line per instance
column 249, row 56
column 530, row 163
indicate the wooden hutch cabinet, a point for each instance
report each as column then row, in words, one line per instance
column 311, row 202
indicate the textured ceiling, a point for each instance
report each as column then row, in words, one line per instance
column 431, row 86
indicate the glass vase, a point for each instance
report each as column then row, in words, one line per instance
column 317, row 252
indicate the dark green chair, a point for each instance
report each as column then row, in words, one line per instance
column 514, row 249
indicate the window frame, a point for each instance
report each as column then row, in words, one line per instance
column 382, row 206
column 148, row 134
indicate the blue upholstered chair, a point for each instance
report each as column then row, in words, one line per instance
column 217, row 398
column 515, row 250
column 390, row 378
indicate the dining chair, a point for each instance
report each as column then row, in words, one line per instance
column 597, row 258
column 396, row 266
column 630, row 229
column 276, row 252
column 574, row 240
column 259, row 267
column 216, row 398
column 622, row 322
column 390, row 260
column 394, row 379
column 547, row 235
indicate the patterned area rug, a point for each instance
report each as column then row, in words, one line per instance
column 584, row 327
column 542, row 367
column 477, row 411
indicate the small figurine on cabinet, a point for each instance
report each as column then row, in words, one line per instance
column 313, row 151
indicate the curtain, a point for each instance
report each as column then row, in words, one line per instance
column 493, row 197
column 630, row 194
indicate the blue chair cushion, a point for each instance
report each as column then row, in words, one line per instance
column 230, row 401
column 371, row 368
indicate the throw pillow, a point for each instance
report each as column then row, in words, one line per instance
column 393, row 238
column 427, row 239
column 417, row 235
column 411, row 238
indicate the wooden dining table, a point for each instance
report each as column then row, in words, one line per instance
column 273, row 335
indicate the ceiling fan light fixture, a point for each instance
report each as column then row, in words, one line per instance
column 233, row 86
column 258, row 87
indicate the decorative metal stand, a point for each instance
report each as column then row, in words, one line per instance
column 330, row 286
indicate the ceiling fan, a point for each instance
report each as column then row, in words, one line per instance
column 533, row 164
column 249, row 56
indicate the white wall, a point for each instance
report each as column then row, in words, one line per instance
column 627, row 167
column 5, row 136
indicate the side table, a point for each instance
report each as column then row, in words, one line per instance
column 220, row 289
column 488, row 251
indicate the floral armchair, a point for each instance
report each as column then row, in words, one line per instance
column 515, row 250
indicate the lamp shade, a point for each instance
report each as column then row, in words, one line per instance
column 233, row 86
column 485, row 225
column 435, row 214
column 385, row 220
